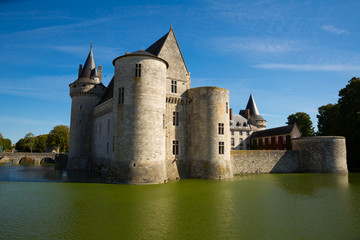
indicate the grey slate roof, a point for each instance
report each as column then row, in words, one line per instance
column 89, row 67
column 141, row 52
column 109, row 93
column 251, row 105
column 157, row 46
column 284, row 130
column 238, row 122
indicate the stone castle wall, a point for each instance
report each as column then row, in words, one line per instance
column 209, row 107
column 321, row 154
column 138, row 122
column 84, row 98
column 264, row 161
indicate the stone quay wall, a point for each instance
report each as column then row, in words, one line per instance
column 264, row 161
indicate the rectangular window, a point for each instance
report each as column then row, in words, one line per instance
column 232, row 142
column 113, row 143
column 138, row 70
column 232, row 132
column 240, row 132
column 173, row 86
column 221, row 147
column 176, row 118
column 175, row 147
column 121, row 95
column 108, row 126
column 227, row 107
column 221, row 129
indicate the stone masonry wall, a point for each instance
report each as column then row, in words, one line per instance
column 322, row 154
column 259, row 161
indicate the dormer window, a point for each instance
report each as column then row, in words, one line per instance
column 138, row 70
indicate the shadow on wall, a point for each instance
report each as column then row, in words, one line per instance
column 288, row 163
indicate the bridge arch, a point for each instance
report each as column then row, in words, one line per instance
column 47, row 160
column 26, row 160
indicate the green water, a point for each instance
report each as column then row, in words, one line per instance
column 269, row 206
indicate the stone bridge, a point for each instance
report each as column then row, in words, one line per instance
column 33, row 158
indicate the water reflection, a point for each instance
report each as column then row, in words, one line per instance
column 44, row 173
column 269, row 206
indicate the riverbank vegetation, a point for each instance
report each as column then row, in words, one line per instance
column 57, row 140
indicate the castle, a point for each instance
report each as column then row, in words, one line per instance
column 148, row 125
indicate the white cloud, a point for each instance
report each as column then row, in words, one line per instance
column 308, row 67
column 271, row 115
column 257, row 45
column 333, row 30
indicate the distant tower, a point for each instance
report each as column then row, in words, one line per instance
column 252, row 114
column 85, row 93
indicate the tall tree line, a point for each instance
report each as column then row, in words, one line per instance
column 343, row 119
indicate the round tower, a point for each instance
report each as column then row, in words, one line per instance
column 325, row 154
column 209, row 131
column 85, row 93
column 138, row 115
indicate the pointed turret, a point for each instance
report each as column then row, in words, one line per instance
column 253, row 115
column 88, row 73
column 251, row 105
column 85, row 93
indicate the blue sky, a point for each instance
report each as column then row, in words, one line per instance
column 294, row 56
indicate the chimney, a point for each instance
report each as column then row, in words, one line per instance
column 231, row 114
column 100, row 73
column 247, row 113
column 80, row 70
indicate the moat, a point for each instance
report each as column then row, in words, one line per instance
column 43, row 202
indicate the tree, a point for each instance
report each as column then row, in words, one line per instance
column 349, row 116
column 328, row 120
column 21, row 146
column 30, row 140
column 343, row 119
column 5, row 143
column 40, row 143
column 303, row 122
column 59, row 138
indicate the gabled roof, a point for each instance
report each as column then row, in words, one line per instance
column 284, row 130
column 109, row 93
column 156, row 47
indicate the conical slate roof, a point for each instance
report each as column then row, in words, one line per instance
column 89, row 65
column 251, row 105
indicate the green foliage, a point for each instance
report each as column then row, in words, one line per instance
column 303, row 122
column 22, row 146
column 343, row 119
column 5, row 143
column 59, row 138
column 328, row 120
column 30, row 140
column 40, row 143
